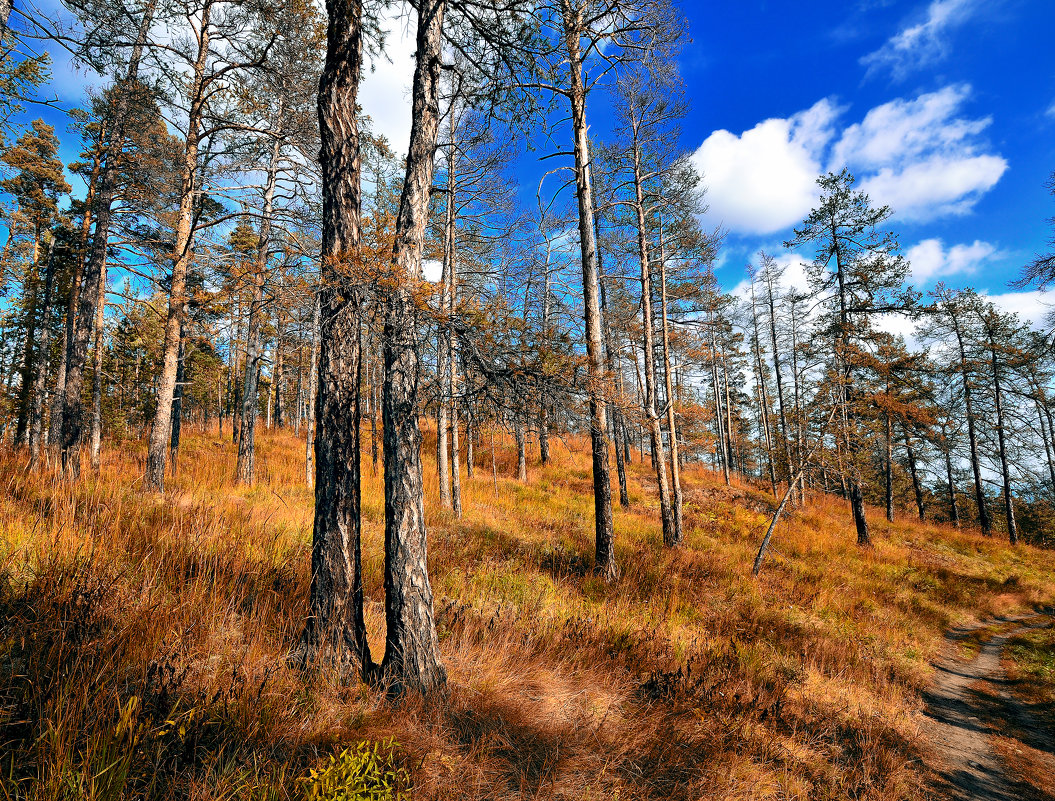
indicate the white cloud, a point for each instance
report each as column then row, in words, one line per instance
column 920, row 156
column 937, row 187
column 1050, row 111
column 385, row 91
column 930, row 260
column 760, row 182
column 904, row 129
column 923, row 158
column 922, row 44
column 1031, row 307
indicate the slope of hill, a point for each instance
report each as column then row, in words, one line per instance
column 143, row 639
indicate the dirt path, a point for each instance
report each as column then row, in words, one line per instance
column 957, row 723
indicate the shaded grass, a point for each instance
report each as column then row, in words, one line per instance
column 142, row 640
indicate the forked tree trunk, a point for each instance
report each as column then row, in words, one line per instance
column 94, row 268
column 412, row 657
column 335, row 632
column 604, row 547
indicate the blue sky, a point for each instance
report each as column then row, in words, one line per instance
column 945, row 109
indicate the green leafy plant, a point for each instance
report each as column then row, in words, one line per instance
column 367, row 772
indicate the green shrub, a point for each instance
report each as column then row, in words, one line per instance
column 367, row 772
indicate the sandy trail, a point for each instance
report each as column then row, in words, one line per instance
column 957, row 724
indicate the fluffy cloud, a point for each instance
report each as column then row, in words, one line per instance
column 385, row 92
column 931, row 261
column 1032, row 307
column 920, row 156
column 937, row 187
column 923, row 159
column 922, row 44
column 761, row 181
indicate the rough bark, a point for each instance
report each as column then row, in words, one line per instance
column 412, row 658
column 335, row 632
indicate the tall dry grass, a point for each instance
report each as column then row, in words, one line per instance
column 142, row 639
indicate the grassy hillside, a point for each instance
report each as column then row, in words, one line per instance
column 143, row 639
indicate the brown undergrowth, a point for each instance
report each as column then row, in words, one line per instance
column 143, row 639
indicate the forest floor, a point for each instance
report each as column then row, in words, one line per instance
column 143, row 640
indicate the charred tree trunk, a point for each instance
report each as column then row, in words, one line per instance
column 335, row 632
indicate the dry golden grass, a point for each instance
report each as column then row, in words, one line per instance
column 143, row 639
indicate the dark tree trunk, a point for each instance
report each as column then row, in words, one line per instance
column 1005, row 472
column 916, row 486
column 984, row 519
column 177, row 403
column 412, row 657
column 335, row 632
column 889, row 469
column 954, row 509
